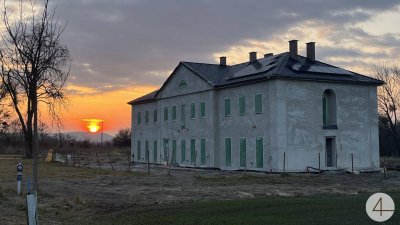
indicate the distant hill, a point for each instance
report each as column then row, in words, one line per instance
column 93, row 137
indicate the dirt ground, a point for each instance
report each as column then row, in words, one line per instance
column 73, row 195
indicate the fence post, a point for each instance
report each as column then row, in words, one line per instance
column 98, row 162
column 109, row 155
column 319, row 163
column 129, row 161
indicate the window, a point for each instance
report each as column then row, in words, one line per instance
column 203, row 109
column 173, row 151
column 146, row 117
column 183, row 116
column 228, row 146
column 182, row 84
column 259, row 152
column 203, row 151
column 183, row 151
column 192, row 150
column 242, row 105
column 258, row 103
column 242, row 152
column 155, row 151
column 155, row 116
column 146, row 149
column 329, row 109
column 173, row 112
column 192, row 111
column 165, row 114
column 227, row 107
column 138, row 150
column 139, row 117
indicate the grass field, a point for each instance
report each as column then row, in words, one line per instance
column 79, row 195
column 275, row 210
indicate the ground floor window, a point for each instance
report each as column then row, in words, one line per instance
column 138, row 150
column 155, row 152
column 192, row 150
column 203, row 151
column 173, row 151
column 242, row 152
column 259, row 153
column 183, row 151
column 228, row 147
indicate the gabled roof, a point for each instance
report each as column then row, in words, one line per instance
column 279, row 66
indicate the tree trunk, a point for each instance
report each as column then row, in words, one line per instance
column 35, row 141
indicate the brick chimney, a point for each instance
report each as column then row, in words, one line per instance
column 293, row 49
column 222, row 61
column 253, row 57
column 311, row 51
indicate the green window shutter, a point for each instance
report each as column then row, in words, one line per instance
column 243, row 152
column 183, row 116
column 203, row 151
column 192, row 110
column 155, row 116
column 242, row 105
column 258, row 103
column 192, row 150
column 203, row 109
column 183, row 151
column 146, row 149
column 325, row 111
column 155, row 152
column 227, row 107
column 146, row 117
column 139, row 117
column 173, row 112
column 165, row 113
column 138, row 150
column 228, row 154
column 259, row 153
column 173, row 151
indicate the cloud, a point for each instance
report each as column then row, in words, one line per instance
column 137, row 42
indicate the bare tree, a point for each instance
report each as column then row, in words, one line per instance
column 389, row 98
column 34, row 66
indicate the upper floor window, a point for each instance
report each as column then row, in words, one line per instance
column 182, row 84
column 139, row 117
column 203, row 109
column 165, row 113
column 174, row 113
column 146, row 117
column 155, row 116
column 227, row 107
column 242, row 105
column 329, row 108
column 258, row 103
column 192, row 111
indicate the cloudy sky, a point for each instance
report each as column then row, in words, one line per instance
column 122, row 49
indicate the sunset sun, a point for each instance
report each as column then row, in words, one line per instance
column 93, row 125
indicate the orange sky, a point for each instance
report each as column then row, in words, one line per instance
column 109, row 106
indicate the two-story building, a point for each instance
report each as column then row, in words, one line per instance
column 277, row 111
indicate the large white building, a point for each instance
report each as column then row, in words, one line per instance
column 278, row 111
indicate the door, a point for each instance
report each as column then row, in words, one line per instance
column 330, row 152
column 173, row 151
column 166, row 147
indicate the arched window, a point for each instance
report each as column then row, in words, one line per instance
column 329, row 108
column 182, row 84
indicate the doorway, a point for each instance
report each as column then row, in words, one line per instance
column 330, row 152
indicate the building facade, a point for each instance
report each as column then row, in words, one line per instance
column 280, row 112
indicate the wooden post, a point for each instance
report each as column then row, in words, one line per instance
column 284, row 161
column 319, row 163
column 352, row 163
column 74, row 157
column 129, row 161
column 98, row 161
column 109, row 156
